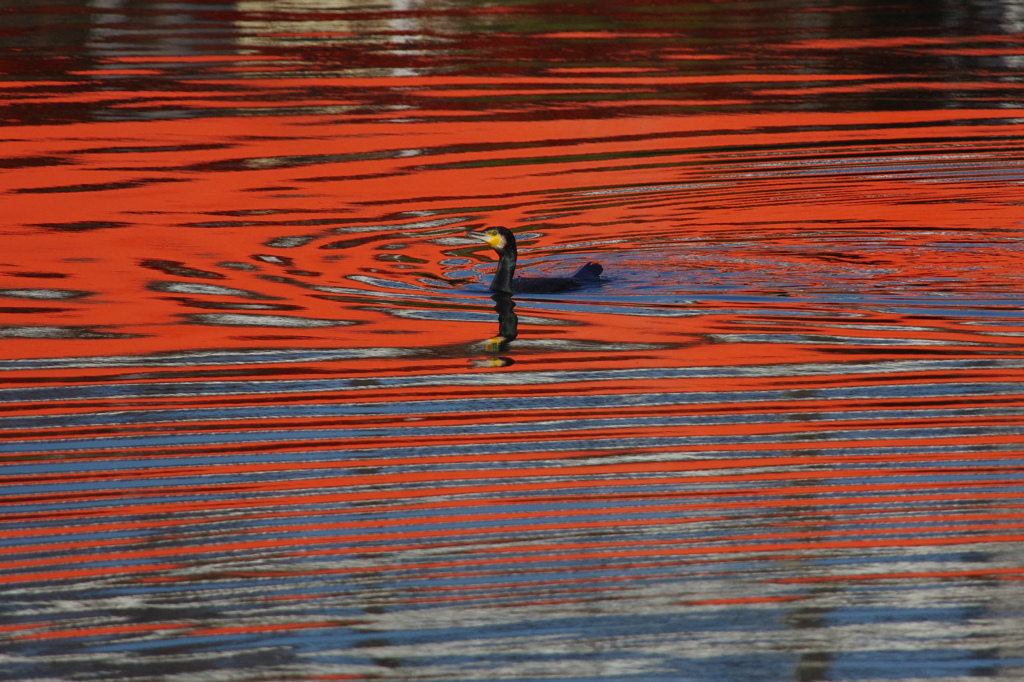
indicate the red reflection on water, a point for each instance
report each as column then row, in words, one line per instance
column 764, row 249
column 159, row 201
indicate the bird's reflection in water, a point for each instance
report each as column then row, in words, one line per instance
column 508, row 329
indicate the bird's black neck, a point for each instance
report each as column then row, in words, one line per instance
column 506, row 270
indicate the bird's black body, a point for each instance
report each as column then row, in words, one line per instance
column 503, row 241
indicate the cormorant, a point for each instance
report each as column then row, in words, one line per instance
column 503, row 241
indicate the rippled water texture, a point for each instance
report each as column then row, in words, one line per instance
column 262, row 419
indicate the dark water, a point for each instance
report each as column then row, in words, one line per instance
column 257, row 425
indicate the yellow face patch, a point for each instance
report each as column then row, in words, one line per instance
column 491, row 237
column 494, row 239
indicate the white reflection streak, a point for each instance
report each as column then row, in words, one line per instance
column 115, row 30
column 300, row 386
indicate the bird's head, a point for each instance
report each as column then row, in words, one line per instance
column 498, row 238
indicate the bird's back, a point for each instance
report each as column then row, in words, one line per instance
column 587, row 274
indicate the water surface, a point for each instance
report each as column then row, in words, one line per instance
column 258, row 424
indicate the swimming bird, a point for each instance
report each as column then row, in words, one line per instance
column 503, row 241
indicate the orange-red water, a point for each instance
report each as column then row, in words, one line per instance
column 254, row 428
